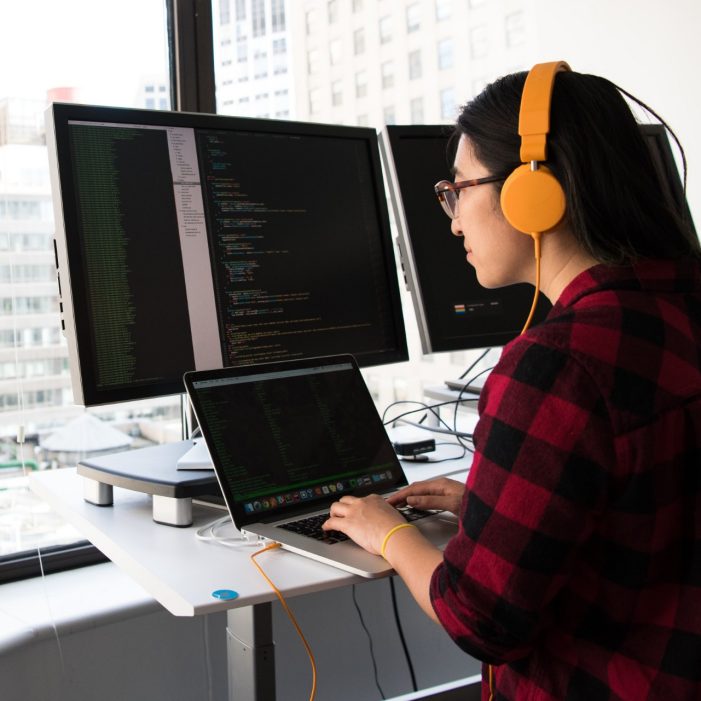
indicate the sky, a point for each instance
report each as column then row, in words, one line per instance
column 102, row 47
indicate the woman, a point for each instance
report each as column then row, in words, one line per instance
column 576, row 571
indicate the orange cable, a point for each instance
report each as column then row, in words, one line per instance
column 289, row 613
column 536, row 246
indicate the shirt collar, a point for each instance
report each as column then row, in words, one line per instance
column 683, row 275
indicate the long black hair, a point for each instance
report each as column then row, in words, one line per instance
column 615, row 206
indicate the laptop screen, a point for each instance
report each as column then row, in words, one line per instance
column 292, row 436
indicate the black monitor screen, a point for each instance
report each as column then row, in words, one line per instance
column 453, row 310
column 189, row 241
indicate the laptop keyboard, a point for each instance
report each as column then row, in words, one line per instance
column 311, row 526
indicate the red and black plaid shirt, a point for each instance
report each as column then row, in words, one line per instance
column 577, row 567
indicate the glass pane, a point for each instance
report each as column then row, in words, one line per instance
column 81, row 51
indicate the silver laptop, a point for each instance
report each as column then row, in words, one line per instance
column 287, row 439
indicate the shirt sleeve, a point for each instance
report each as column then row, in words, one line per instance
column 543, row 448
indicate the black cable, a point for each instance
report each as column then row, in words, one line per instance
column 401, row 634
column 469, row 370
column 372, row 651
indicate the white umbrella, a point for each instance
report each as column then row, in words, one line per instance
column 85, row 434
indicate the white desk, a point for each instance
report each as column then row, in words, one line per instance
column 181, row 572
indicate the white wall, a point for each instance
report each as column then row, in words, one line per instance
column 652, row 48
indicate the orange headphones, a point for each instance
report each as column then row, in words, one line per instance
column 532, row 199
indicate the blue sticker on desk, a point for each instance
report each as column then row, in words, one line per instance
column 225, row 594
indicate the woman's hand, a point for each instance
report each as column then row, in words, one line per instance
column 440, row 493
column 365, row 520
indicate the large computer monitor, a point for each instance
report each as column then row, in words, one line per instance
column 453, row 311
column 192, row 241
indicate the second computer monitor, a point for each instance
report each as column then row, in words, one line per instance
column 454, row 312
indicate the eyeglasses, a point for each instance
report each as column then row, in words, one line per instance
column 448, row 192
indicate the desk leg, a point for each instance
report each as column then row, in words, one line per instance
column 251, row 652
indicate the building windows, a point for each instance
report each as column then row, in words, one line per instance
column 444, row 9
column 359, row 41
column 389, row 115
column 313, row 61
column 279, row 56
column 413, row 17
column 335, row 52
column 447, row 103
column 314, row 100
column 258, row 17
column 416, row 108
column 240, row 10
column 242, row 52
column 387, row 73
column 332, row 11
column 260, row 64
column 415, row 64
column 479, row 46
column 311, row 20
column 224, row 12
column 385, row 27
column 361, row 84
column 277, row 15
column 336, row 93
column 515, row 29
column 445, row 54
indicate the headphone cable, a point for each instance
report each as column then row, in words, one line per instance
column 536, row 250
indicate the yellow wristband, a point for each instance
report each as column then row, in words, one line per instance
column 391, row 532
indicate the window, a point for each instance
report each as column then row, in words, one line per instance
column 445, row 54
column 389, row 116
column 258, row 17
column 335, row 52
column 385, row 29
column 314, row 100
column 313, row 61
column 240, row 10
column 277, row 15
column 387, row 72
column 361, row 84
column 332, row 11
column 415, row 64
column 444, row 9
column 416, row 107
column 359, row 41
column 30, row 333
column 515, row 29
column 311, row 21
column 260, row 64
column 224, row 11
column 336, row 93
column 447, row 104
column 479, row 46
column 413, row 17
column 242, row 52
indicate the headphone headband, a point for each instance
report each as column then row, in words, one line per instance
column 534, row 115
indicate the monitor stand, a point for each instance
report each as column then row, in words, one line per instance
column 151, row 470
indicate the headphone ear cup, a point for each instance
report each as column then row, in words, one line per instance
column 532, row 200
